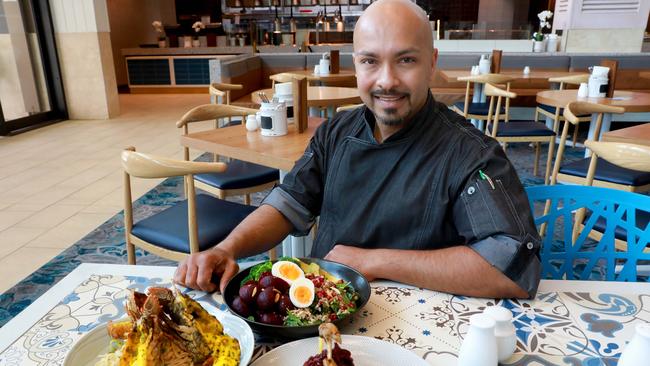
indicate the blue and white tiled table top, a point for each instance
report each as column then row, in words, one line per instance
column 568, row 323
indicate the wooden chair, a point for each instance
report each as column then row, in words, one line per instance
column 189, row 226
column 629, row 156
column 221, row 91
column 556, row 113
column 505, row 132
column 608, row 174
column 479, row 110
column 241, row 178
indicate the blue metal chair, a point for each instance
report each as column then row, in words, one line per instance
column 584, row 258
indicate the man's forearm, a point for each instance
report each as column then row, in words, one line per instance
column 457, row 270
column 260, row 231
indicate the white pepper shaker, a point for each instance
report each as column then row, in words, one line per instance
column 480, row 345
column 504, row 331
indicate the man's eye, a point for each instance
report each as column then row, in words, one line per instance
column 407, row 60
column 368, row 61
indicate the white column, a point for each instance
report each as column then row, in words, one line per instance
column 601, row 25
column 85, row 57
column 18, row 89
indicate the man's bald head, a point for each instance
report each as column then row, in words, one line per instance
column 394, row 14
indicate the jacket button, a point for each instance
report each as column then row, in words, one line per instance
column 530, row 245
column 471, row 190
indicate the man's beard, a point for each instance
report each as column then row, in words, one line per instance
column 389, row 116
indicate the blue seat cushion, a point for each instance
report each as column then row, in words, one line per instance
column 521, row 128
column 481, row 109
column 607, row 172
column 240, row 174
column 215, row 219
column 620, row 233
column 551, row 109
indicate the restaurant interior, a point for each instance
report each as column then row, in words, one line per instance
column 115, row 113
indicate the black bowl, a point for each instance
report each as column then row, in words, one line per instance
column 356, row 279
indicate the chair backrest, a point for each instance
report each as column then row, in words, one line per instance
column 496, row 93
column 223, row 90
column 151, row 166
column 629, row 156
column 570, row 79
column 485, row 79
column 283, row 77
column 208, row 112
column 583, row 258
column 571, row 113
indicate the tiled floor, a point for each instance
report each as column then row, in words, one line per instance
column 59, row 182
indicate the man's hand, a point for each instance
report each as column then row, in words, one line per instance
column 354, row 257
column 197, row 270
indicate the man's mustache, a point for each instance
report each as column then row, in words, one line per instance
column 388, row 93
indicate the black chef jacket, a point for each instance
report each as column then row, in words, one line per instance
column 437, row 182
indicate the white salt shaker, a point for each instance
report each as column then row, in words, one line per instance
column 504, row 331
column 526, row 70
column 637, row 352
column 251, row 122
column 583, row 90
column 480, row 345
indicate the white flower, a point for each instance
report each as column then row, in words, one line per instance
column 198, row 26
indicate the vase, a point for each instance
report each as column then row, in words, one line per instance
column 187, row 42
column 196, row 43
column 162, row 43
column 538, row 46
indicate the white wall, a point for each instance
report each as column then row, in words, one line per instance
column 130, row 22
column 601, row 25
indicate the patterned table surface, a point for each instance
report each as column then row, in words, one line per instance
column 568, row 323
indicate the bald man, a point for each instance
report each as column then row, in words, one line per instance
column 405, row 189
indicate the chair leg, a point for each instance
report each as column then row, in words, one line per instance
column 536, row 115
column 575, row 134
column 549, row 160
column 247, row 199
column 130, row 252
column 537, row 153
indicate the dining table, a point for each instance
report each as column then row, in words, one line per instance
column 630, row 101
column 518, row 75
column 328, row 97
column 567, row 323
column 638, row 135
column 342, row 75
column 279, row 152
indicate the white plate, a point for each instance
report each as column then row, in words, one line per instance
column 95, row 343
column 365, row 351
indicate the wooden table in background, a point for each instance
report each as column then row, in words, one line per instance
column 343, row 75
column 280, row 152
column 632, row 102
column 639, row 135
column 320, row 96
column 645, row 74
column 518, row 74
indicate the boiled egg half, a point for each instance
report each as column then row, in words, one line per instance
column 301, row 293
column 288, row 271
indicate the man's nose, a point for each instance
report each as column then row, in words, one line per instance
column 387, row 78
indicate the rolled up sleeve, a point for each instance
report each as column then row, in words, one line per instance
column 493, row 215
column 299, row 196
